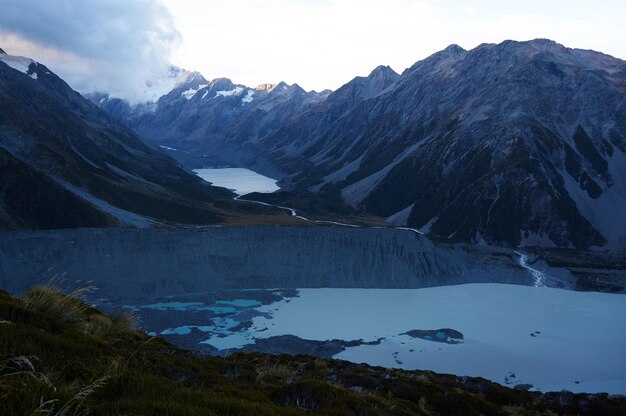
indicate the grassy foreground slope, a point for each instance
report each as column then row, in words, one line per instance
column 60, row 356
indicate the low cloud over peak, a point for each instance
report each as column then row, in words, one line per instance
column 110, row 45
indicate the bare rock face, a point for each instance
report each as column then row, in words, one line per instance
column 444, row 335
column 520, row 143
column 130, row 263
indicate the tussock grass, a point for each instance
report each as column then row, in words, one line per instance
column 16, row 373
column 274, row 370
column 104, row 326
column 72, row 407
column 72, row 309
column 49, row 300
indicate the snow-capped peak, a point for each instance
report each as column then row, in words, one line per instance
column 18, row 63
column 162, row 83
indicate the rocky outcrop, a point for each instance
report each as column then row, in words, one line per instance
column 292, row 345
column 444, row 335
column 130, row 263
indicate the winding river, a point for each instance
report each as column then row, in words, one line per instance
column 244, row 181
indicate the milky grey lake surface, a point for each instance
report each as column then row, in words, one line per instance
column 239, row 180
column 550, row 338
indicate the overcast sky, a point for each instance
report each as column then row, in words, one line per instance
column 115, row 45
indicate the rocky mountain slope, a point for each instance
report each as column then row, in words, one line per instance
column 520, row 143
column 66, row 163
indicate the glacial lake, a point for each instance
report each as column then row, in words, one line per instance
column 239, row 180
column 549, row 338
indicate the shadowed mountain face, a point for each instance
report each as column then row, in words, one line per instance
column 520, row 143
column 516, row 143
column 66, row 163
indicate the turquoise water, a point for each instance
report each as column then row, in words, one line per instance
column 189, row 306
column 216, row 309
column 178, row 306
column 241, row 303
column 186, row 330
column 220, row 307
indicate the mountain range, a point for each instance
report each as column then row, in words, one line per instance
column 209, row 120
column 517, row 143
column 65, row 163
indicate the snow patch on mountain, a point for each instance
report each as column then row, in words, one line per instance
column 234, row 91
column 191, row 92
column 249, row 97
column 18, row 63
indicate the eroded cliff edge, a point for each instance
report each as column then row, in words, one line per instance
column 130, row 263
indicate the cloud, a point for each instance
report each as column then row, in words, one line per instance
column 116, row 45
column 106, row 45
